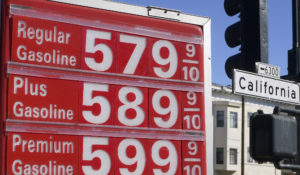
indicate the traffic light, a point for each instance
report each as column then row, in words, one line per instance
column 251, row 32
column 294, row 53
column 272, row 137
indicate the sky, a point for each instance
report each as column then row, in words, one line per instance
column 280, row 30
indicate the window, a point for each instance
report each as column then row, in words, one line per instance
column 249, row 116
column 233, row 156
column 220, row 118
column 249, row 158
column 220, row 155
column 233, row 120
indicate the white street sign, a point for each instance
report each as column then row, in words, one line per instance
column 246, row 83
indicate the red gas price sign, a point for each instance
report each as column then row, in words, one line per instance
column 98, row 96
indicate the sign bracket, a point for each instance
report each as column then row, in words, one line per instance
column 158, row 12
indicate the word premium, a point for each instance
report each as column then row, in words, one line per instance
column 42, row 147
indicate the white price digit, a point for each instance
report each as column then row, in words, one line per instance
column 171, row 160
column 171, row 60
column 192, row 73
column 136, row 55
column 139, row 159
column 92, row 47
column 89, row 100
column 193, row 169
column 196, row 170
column 192, row 98
column 172, row 109
column 196, row 121
column 139, row 98
column 191, row 50
column 89, row 154
column 193, row 148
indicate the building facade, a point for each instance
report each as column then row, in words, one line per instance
column 231, row 115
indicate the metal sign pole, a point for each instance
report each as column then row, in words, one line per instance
column 298, row 139
column 296, row 39
column 298, row 145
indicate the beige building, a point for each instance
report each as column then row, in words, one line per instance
column 230, row 111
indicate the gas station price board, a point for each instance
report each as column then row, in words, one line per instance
column 104, row 99
column 50, row 154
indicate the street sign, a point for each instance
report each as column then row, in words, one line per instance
column 246, row 83
column 88, row 93
column 268, row 70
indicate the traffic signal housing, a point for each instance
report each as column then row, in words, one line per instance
column 251, row 33
column 294, row 53
column 272, row 137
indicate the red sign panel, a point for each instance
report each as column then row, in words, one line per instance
column 193, row 110
column 58, row 44
column 97, row 155
column 193, row 159
column 109, row 51
column 39, row 99
column 131, row 156
column 97, row 104
column 165, row 157
column 141, row 92
column 131, row 106
column 44, row 42
column 42, row 154
column 165, row 109
column 54, row 100
column 132, row 54
column 64, row 154
column 98, row 50
column 191, row 63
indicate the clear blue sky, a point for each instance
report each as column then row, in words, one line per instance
column 280, row 29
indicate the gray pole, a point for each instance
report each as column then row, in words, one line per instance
column 298, row 136
column 298, row 145
column 243, row 138
column 296, row 24
column 296, row 39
